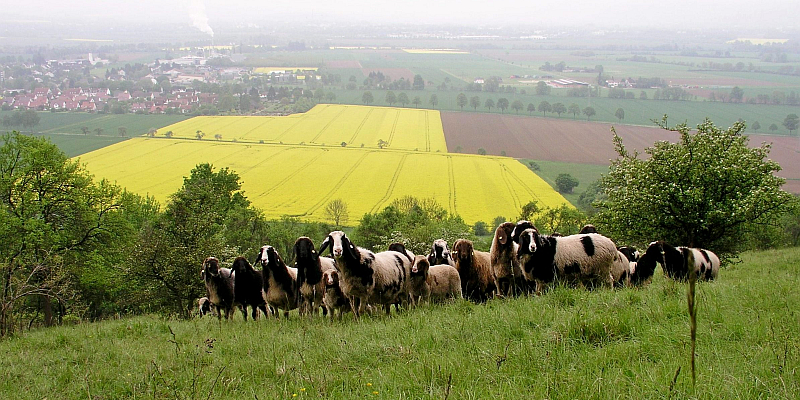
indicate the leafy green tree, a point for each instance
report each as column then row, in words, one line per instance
column 531, row 108
column 574, row 109
column 737, row 94
column 497, row 221
column 791, row 122
column 53, row 216
column 563, row 219
column 529, row 210
column 336, row 210
column 773, row 127
column 643, row 95
column 244, row 103
column 589, row 112
column 390, row 98
column 30, row 119
column 123, row 131
column 480, row 229
column 542, row 89
column 85, row 130
column 434, row 100
column 475, row 102
column 502, row 104
column 461, row 100
column 756, row 126
column 707, row 190
column 565, row 183
column 620, row 114
column 489, row 104
column 330, row 96
column 382, row 143
column 559, row 108
column 402, row 98
column 516, row 106
column 98, row 131
column 544, row 107
column 416, row 102
column 367, row 98
column 419, row 82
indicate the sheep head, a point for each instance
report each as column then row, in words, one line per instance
column 463, row 249
column 240, row 264
column 521, row 226
column 304, row 249
column 340, row 245
column 503, row 232
column 528, row 241
column 420, row 266
column 439, row 251
column 331, row 278
column 210, row 267
column 588, row 228
column 270, row 258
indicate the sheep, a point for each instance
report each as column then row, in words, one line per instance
column 440, row 254
column 248, row 283
column 642, row 270
column 367, row 277
column 673, row 262
column 219, row 285
column 475, row 269
column 588, row 228
column 333, row 298
column 621, row 270
column 280, row 281
column 581, row 258
column 401, row 248
column 629, row 252
column 203, row 306
column 505, row 267
column 310, row 268
column 433, row 283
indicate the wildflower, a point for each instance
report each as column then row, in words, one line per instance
column 369, row 384
column 375, row 392
column 294, row 394
column 302, row 389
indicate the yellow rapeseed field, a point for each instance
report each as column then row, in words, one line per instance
column 298, row 180
column 329, row 124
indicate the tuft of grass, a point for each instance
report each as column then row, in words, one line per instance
column 565, row 344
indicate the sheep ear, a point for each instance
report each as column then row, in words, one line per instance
column 503, row 238
column 325, row 244
column 351, row 248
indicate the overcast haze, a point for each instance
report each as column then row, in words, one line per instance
column 764, row 14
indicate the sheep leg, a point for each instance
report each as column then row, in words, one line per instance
column 263, row 309
column 243, row 308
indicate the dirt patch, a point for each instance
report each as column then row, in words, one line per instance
column 393, row 73
column 343, row 64
column 581, row 142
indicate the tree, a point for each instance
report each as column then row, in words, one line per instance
column 336, row 211
column 643, row 95
column 199, row 134
column 559, row 108
column 756, row 126
column 367, row 98
column 390, row 98
column 416, row 102
column 475, row 102
column 791, row 122
column 419, row 82
column 382, row 143
column 707, row 190
column 98, row 131
column 461, row 100
column 402, row 98
column 482, row 151
column 531, row 108
column 529, row 210
column 516, row 106
column 169, row 134
column 434, row 100
column 30, row 119
column 124, row 131
column 773, row 127
column 85, row 130
column 542, row 89
column 480, row 229
column 544, row 107
column 589, row 112
column 489, row 104
column 565, row 183
column 53, row 216
column 737, row 94
column 502, row 104
column 563, row 219
column 574, row 109
column 244, row 103
column 620, row 114
column 330, row 96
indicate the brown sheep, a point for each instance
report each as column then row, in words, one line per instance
column 505, row 265
column 334, row 299
column 475, row 269
column 433, row 283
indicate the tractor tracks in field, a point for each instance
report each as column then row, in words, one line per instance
column 321, row 131
column 392, row 184
column 291, row 175
column 361, row 125
column 338, row 185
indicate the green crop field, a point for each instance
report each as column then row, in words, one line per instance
column 299, row 180
column 74, row 145
column 402, row 128
column 565, row 344
column 72, row 122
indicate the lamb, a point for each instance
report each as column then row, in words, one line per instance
column 280, row 281
column 219, row 285
column 581, row 258
column 475, row 269
column 706, row 262
column 333, row 298
column 504, row 261
column 433, row 283
column 367, row 277
column 247, row 283
column 203, row 306
column 440, row 254
column 310, row 269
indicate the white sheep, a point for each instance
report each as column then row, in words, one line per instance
column 674, row 262
column 440, row 254
column 436, row 283
column 367, row 277
column 280, row 281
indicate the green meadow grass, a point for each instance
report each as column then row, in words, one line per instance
column 586, row 174
column 566, row 344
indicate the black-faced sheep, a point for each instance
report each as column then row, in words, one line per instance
column 310, row 268
column 247, row 284
column 333, row 298
column 436, row 283
column 367, row 277
column 203, row 306
column 588, row 228
column 440, row 254
column 644, row 267
column 629, row 252
column 475, row 269
column 401, row 248
column 506, row 269
column 674, row 262
column 280, row 281
column 219, row 285
column 584, row 259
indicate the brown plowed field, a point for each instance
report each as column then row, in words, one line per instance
column 580, row 142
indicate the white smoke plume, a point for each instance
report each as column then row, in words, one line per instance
column 197, row 12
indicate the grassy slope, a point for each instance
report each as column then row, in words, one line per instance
column 566, row 344
column 584, row 173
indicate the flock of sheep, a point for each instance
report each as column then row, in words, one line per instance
column 521, row 260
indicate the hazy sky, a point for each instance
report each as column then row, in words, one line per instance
column 767, row 14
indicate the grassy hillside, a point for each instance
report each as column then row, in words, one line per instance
column 565, row 344
column 72, row 122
